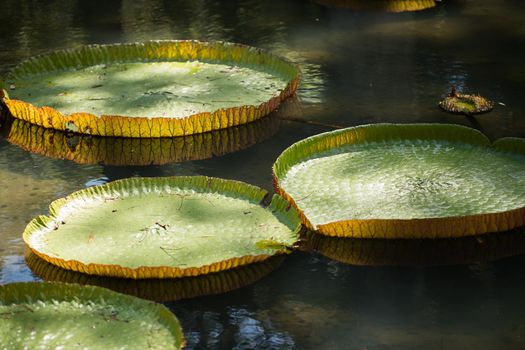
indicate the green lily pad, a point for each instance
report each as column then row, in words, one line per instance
column 163, row 227
column 86, row 149
column 150, row 89
column 68, row 316
column 405, row 181
column 161, row 290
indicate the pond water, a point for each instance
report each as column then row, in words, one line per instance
column 358, row 67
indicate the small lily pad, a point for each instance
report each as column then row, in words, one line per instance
column 68, row 316
column 458, row 103
column 405, row 181
column 149, row 89
column 163, row 227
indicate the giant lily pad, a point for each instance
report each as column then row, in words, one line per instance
column 381, row 5
column 161, row 290
column 68, row 316
column 163, row 227
column 86, row 149
column 405, row 181
column 419, row 252
column 150, row 89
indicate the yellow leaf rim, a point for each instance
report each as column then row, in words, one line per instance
column 154, row 51
column 430, row 228
column 85, row 149
column 395, row 6
column 20, row 292
column 236, row 188
column 418, row 252
column 161, row 290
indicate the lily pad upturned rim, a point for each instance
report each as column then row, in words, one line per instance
column 441, row 227
column 151, row 51
column 108, row 150
column 161, row 290
column 276, row 204
column 20, row 292
column 449, row 104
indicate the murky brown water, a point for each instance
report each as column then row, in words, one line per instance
column 359, row 67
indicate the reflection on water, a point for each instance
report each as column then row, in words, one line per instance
column 142, row 20
column 338, row 306
column 14, row 268
column 312, row 76
column 413, row 252
column 28, row 184
column 381, row 5
column 86, row 149
column 358, row 67
column 29, row 28
column 160, row 290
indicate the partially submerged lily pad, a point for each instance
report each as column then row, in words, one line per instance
column 163, row 227
column 458, row 103
column 419, row 252
column 68, row 316
column 161, row 290
column 86, row 149
column 405, row 181
column 380, row 5
column 150, row 89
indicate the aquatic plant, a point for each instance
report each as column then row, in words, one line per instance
column 56, row 315
column 404, row 181
column 459, row 103
column 149, row 89
column 163, row 227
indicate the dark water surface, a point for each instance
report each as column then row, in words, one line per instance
column 359, row 67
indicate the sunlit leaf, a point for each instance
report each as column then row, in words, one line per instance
column 150, row 89
column 405, row 181
column 69, row 316
column 162, row 227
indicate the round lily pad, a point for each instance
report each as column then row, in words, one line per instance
column 405, row 181
column 149, row 89
column 161, row 290
column 163, row 227
column 380, row 5
column 86, row 149
column 418, row 252
column 458, row 103
column 68, row 316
